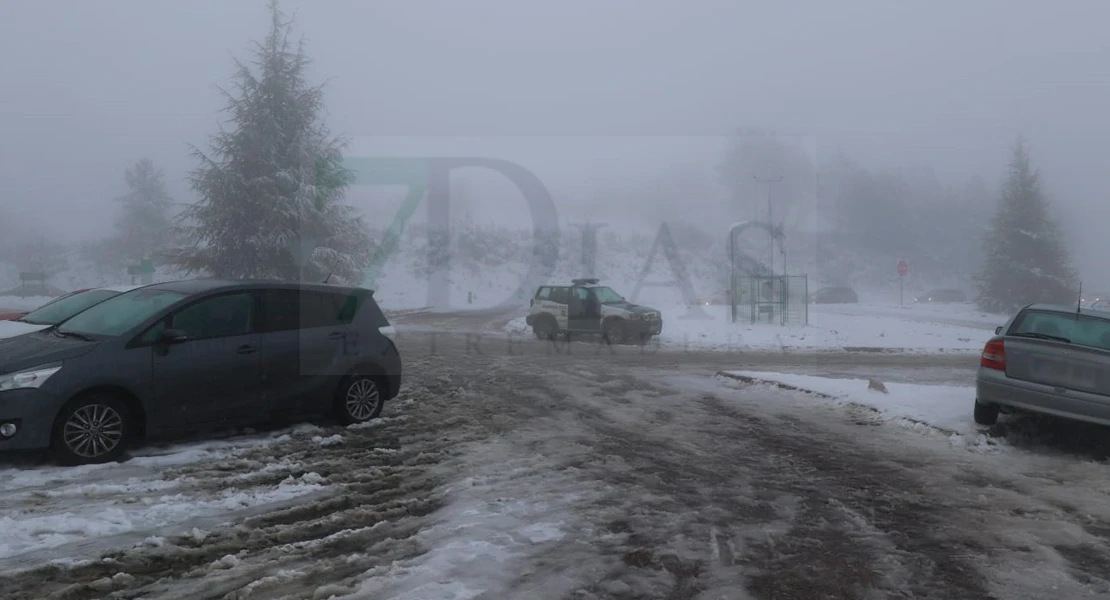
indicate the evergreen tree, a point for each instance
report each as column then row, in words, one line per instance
column 145, row 226
column 271, row 189
column 1025, row 259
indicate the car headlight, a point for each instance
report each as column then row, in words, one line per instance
column 30, row 378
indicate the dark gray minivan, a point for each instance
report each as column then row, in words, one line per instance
column 175, row 356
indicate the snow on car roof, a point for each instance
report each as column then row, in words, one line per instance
column 119, row 288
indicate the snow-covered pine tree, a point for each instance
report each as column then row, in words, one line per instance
column 272, row 188
column 145, row 225
column 1025, row 259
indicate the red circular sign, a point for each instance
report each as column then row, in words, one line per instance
column 903, row 268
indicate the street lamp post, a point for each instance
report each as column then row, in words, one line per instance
column 770, row 222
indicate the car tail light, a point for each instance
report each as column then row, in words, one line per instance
column 389, row 331
column 994, row 355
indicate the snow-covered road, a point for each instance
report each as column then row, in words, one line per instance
column 534, row 474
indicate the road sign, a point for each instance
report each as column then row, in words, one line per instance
column 903, row 268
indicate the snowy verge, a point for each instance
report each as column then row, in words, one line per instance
column 932, row 409
column 828, row 330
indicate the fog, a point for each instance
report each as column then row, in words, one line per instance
column 609, row 103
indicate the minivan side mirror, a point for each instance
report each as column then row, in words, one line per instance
column 998, row 330
column 172, row 336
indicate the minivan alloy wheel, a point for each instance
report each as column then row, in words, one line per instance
column 363, row 399
column 93, row 430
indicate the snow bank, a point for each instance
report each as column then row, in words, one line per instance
column 939, row 409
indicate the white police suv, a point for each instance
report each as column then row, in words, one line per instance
column 585, row 306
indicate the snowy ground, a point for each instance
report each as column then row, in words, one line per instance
column 582, row 475
column 952, row 328
column 14, row 303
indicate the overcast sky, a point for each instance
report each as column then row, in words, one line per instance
column 89, row 87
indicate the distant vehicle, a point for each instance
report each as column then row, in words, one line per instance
column 1092, row 299
column 834, row 295
column 585, row 306
column 57, row 310
column 714, row 299
column 1102, row 304
column 178, row 356
column 1049, row 359
column 942, row 295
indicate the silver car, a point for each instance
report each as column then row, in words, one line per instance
column 1047, row 359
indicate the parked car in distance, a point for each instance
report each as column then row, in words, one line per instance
column 834, row 295
column 187, row 355
column 58, row 310
column 1049, row 359
column 1095, row 300
column 714, row 299
column 943, row 295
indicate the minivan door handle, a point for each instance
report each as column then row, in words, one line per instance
column 336, row 335
column 247, row 349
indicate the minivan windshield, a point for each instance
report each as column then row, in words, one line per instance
column 64, row 308
column 116, row 316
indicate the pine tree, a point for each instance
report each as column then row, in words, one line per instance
column 145, row 226
column 272, row 188
column 1025, row 259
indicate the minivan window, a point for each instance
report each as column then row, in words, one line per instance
column 116, row 316
column 1083, row 330
column 222, row 316
column 63, row 308
column 286, row 310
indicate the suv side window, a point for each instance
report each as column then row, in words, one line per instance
column 543, row 294
column 560, row 295
column 222, row 316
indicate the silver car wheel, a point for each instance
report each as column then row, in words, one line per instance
column 362, row 399
column 93, row 430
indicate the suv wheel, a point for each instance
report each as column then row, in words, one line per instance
column 545, row 329
column 91, row 429
column 614, row 332
column 986, row 414
column 359, row 400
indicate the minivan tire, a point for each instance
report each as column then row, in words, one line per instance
column 91, row 429
column 358, row 400
column 986, row 414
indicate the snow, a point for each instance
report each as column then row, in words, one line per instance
column 48, row 507
column 943, row 409
column 489, row 532
column 923, row 329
